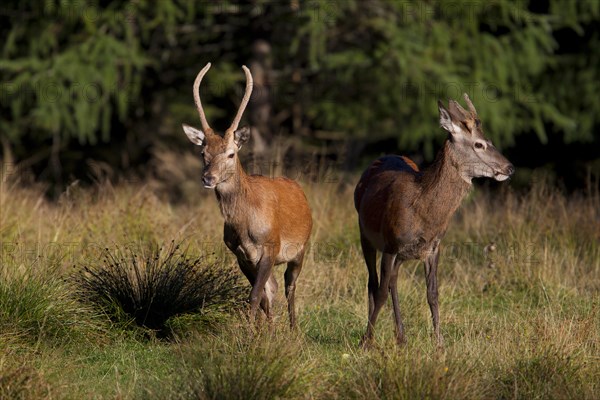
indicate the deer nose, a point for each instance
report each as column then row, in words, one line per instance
column 510, row 169
column 208, row 181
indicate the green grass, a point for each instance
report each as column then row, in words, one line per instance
column 519, row 322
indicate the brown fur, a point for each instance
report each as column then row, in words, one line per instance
column 404, row 213
column 267, row 221
column 408, row 209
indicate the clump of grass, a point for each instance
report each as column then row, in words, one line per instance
column 550, row 374
column 22, row 383
column 19, row 380
column 153, row 285
column 38, row 306
column 241, row 363
column 411, row 373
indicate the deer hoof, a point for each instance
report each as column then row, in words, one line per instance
column 401, row 341
column 440, row 342
column 366, row 342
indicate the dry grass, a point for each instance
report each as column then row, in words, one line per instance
column 519, row 322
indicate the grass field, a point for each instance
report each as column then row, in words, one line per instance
column 521, row 322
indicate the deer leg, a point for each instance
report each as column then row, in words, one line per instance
column 257, row 294
column 431, row 263
column 250, row 274
column 400, row 338
column 387, row 263
column 291, row 274
column 370, row 255
column 269, row 292
column 247, row 269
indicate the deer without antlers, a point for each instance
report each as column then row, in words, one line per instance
column 267, row 220
column 404, row 212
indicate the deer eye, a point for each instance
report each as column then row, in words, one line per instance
column 231, row 155
column 478, row 145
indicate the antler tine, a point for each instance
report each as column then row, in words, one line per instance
column 244, row 103
column 470, row 104
column 203, row 120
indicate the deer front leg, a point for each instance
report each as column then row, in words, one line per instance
column 431, row 263
column 387, row 263
column 250, row 272
column 264, row 268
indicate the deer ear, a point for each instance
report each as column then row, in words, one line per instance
column 445, row 118
column 196, row 136
column 241, row 136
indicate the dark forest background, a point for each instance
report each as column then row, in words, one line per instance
column 99, row 87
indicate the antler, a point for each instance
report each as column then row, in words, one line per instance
column 471, row 106
column 203, row 120
column 244, row 103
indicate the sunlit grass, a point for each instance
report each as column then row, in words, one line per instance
column 519, row 304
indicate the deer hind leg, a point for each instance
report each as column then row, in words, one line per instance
column 370, row 255
column 291, row 274
column 400, row 338
column 431, row 263
column 387, row 264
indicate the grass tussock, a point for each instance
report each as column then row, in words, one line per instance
column 22, row 382
column 519, row 280
column 19, row 379
column 39, row 306
column 244, row 363
column 549, row 374
column 150, row 285
column 411, row 373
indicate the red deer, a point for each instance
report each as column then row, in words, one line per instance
column 267, row 220
column 404, row 212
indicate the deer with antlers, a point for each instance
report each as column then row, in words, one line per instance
column 404, row 212
column 267, row 220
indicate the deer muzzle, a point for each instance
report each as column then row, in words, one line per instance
column 504, row 173
column 209, row 181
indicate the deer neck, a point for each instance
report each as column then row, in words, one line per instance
column 443, row 187
column 232, row 194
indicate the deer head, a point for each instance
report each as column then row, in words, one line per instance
column 476, row 155
column 219, row 152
